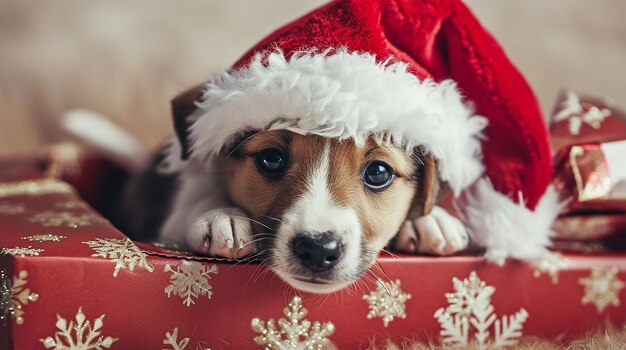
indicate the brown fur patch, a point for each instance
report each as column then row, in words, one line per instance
column 429, row 188
column 183, row 106
column 265, row 199
column 380, row 213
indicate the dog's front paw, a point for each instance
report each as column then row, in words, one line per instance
column 224, row 232
column 437, row 233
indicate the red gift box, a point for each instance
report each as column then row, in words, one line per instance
column 69, row 278
column 588, row 137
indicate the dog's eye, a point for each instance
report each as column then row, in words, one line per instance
column 270, row 161
column 378, row 175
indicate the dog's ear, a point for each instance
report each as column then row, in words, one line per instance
column 183, row 106
column 429, row 184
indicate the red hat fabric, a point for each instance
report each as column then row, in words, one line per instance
column 409, row 72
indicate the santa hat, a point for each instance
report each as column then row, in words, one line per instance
column 408, row 72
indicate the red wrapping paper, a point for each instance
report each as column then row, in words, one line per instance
column 581, row 119
column 588, row 180
column 85, row 268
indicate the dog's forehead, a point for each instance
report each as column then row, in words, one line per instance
column 343, row 152
column 261, row 140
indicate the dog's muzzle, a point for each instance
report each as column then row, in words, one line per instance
column 317, row 252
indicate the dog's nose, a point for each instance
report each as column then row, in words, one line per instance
column 317, row 251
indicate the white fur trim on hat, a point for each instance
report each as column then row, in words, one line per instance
column 505, row 228
column 342, row 95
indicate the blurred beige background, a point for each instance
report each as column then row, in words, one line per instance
column 126, row 59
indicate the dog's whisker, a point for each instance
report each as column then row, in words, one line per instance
column 325, row 298
column 362, row 286
column 264, row 270
column 273, row 218
column 246, row 259
column 374, row 268
column 258, row 240
column 265, row 235
column 349, row 291
column 258, row 272
column 352, row 289
column 343, row 296
column 368, row 279
column 240, row 143
column 255, row 221
column 383, row 271
column 286, row 291
column 373, row 278
column 395, row 256
column 251, row 278
column 249, row 257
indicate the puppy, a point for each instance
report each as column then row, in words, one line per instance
column 317, row 209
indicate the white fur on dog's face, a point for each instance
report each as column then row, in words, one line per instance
column 315, row 210
column 321, row 190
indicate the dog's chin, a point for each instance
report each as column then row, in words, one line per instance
column 312, row 285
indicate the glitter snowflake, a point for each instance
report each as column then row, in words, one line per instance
column 190, row 280
column 7, row 208
column 387, row 301
column 470, row 306
column 578, row 113
column 123, row 252
column 21, row 251
column 295, row 332
column 34, row 187
column 551, row 265
column 6, row 302
column 44, row 238
column 602, row 288
column 466, row 291
column 20, row 295
column 72, row 204
column 79, row 336
column 65, row 218
column 172, row 340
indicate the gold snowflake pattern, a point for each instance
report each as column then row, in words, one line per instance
column 34, row 187
column 65, row 218
column 602, row 288
column 551, row 265
column 190, row 280
column 578, row 113
column 14, row 296
column 6, row 294
column 295, row 332
column 8, row 208
column 44, row 238
column 466, row 291
column 469, row 306
column 172, row 340
column 387, row 301
column 79, row 336
column 72, row 204
column 21, row 251
column 123, row 252
column 20, row 295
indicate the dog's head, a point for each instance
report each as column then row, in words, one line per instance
column 323, row 208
